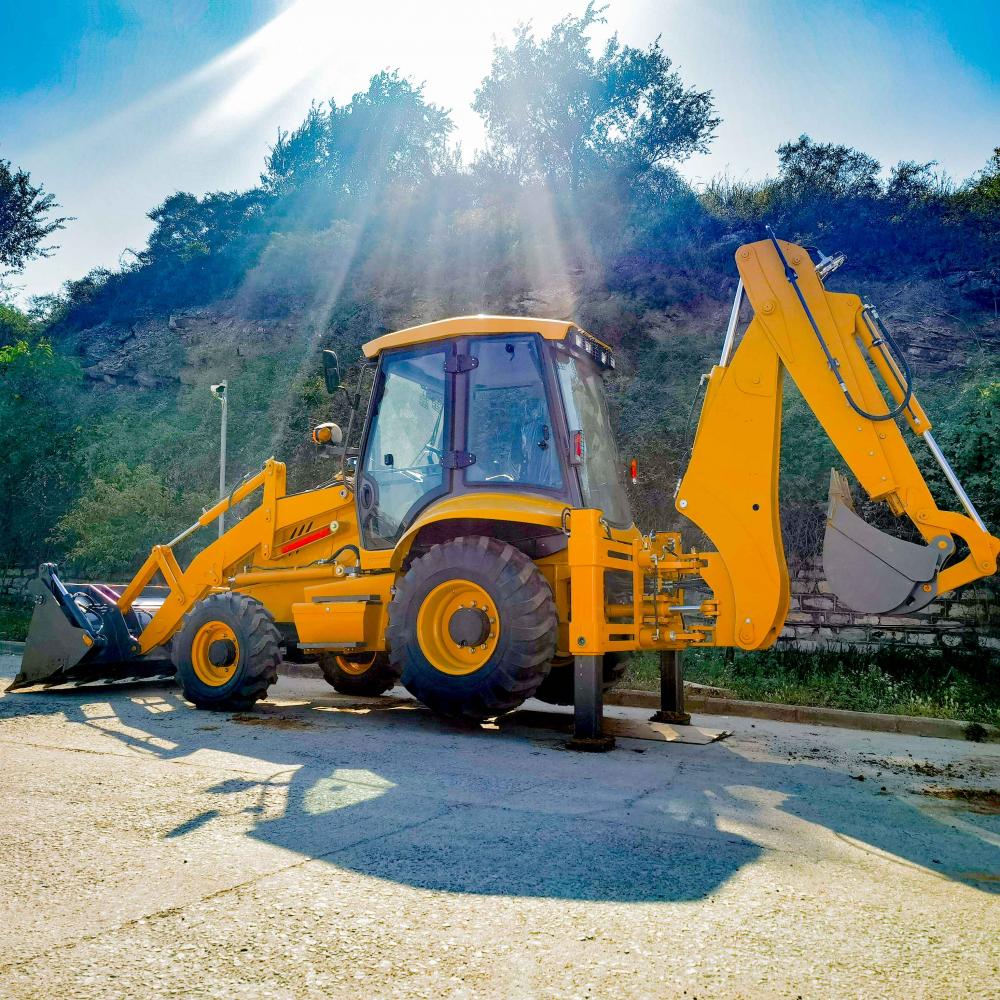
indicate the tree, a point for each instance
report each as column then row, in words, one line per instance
column 38, row 439
column 25, row 221
column 117, row 519
column 387, row 134
column 813, row 169
column 556, row 112
column 188, row 227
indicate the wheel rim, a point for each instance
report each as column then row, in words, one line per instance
column 214, row 674
column 458, row 627
column 355, row 665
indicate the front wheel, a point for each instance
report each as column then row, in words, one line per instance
column 472, row 628
column 365, row 674
column 227, row 652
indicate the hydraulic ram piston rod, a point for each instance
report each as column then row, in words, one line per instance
column 956, row 484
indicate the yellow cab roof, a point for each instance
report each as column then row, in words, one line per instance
column 472, row 326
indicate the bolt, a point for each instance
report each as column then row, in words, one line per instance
column 683, row 504
column 581, row 641
column 493, row 621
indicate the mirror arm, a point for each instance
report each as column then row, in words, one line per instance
column 354, row 404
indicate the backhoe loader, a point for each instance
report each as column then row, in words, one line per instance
column 478, row 545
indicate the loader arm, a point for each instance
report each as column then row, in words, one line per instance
column 829, row 344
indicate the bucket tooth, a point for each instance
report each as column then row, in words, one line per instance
column 871, row 571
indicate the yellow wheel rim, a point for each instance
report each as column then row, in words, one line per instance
column 205, row 670
column 356, row 666
column 437, row 626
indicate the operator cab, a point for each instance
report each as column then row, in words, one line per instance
column 486, row 404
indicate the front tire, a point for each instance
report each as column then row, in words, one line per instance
column 365, row 674
column 472, row 628
column 227, row 652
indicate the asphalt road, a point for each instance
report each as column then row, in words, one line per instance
column 324, row 847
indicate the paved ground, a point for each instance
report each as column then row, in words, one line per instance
column 315, row 849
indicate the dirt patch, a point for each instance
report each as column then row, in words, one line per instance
column 274, row 721
column 979, row 800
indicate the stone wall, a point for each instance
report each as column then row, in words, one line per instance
column 817, row 618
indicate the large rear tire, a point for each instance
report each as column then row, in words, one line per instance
column 558, row 686
column 472, row 628
column 364, row 674
column 227, row 652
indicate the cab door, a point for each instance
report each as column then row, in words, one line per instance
column 402, row 466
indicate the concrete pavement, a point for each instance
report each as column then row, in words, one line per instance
column 325, row 846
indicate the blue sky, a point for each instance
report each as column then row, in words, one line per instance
column 115, row 104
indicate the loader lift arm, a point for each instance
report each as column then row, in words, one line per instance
column 828, row 343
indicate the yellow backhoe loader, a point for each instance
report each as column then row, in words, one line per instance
column 478, row 545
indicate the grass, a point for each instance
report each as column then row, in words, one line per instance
column 14, row 619
column 894, row 679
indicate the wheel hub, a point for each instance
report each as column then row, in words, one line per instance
column 222, row 653
column 215, row 653
column 458, row 626
column 469, row 627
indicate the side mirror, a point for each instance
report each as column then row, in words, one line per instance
column 331, row 371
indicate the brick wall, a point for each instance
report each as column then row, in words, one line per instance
column 817, row 618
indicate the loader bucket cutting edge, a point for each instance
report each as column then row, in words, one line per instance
column 870, row 571
column 59, row 650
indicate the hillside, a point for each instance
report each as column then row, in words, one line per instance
column 366, row 220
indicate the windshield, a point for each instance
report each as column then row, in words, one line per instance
column 587, row 412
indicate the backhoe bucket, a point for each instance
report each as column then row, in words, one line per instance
column 78, row 636
column 871, row 571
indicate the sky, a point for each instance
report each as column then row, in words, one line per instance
column 115, row 104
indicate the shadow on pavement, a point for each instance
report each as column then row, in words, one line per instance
column 384, row 788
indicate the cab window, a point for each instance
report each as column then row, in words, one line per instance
column 509, row 424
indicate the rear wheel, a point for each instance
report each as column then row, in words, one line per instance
column 227, row 652
column 472, row 628
column 558, row 686
column 359, row 673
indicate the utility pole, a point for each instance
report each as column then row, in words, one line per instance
column 221, row 393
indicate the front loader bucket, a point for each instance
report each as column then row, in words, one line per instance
column 871, row 571
column 78, row 636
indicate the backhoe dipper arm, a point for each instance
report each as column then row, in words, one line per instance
column 827, row 342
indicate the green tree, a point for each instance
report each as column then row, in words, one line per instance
column 25, row 218
column 387, row 134
column 554, row 111
column 810, row 169
column 969, row 434
column 38, row 440
column 117, row 519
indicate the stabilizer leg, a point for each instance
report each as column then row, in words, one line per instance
column 588, row 707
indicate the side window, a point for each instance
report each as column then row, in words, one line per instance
column 510, row 428
column 406, row 443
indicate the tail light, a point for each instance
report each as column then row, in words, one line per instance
column 633, row 469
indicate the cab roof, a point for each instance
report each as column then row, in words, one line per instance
column 473, row 326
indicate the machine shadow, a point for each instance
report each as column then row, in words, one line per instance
column 389, row 791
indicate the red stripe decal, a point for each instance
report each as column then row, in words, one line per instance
column 305, row 540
